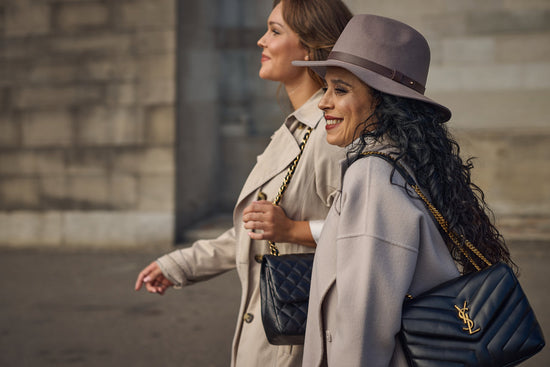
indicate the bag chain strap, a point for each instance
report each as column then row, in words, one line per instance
column 437, row 215
column 272, row 247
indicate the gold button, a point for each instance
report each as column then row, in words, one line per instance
column 258, row 258
column 262, row 196
column 248, row 317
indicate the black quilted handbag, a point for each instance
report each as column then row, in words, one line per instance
column 284, row 289
column 284, row 283
column 481, row 319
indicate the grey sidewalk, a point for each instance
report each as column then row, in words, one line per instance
column 68, row 308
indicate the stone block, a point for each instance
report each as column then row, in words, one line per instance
column 127, row 126
column 155, row 228
column 156, row 193
column 87, row 161
column 32, row 162
column 397, row 9
column 53, row 192
column 121, row 94
column 508, row 22
column 489, row 77
column 156, row 42
column 98, row 228
column 47, row 128
column 49, row 161
column 10, row 131
column 468, row 51
column 93, row 44
column 19, row 193
column 160, row 125
column 38, row 96
column 512, row 169
column 153, row 92
column 88, row 192
column 100, row 125
column 109, row 68
column 26, row 18
column 17, row 162
column 51, row 71
column 523, row 48
column 117, row 229
column 158, row 160
column 144, row 14
column 22, row 228
column 123, row 191
column 81, row 15
column 504, row 109
column 155, row 67
column 526, row 4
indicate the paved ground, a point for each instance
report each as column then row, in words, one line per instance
column 67, row 308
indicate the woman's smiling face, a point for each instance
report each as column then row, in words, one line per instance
column 281, row 45
column 347, row 103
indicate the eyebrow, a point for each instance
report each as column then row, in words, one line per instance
column 340, row 81
column 276, row 23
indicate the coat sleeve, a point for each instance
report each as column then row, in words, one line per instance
column 203, row 260
column 377, row 249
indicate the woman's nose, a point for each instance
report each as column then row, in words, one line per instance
column 261, row 42
column 324, row 103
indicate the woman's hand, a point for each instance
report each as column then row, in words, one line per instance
column 275, row 225
column 154, row 280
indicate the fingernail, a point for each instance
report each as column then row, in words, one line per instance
column 146, row 280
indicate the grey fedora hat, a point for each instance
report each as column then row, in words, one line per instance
column 385, row 54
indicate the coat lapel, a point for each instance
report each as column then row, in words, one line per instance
column 280, row 152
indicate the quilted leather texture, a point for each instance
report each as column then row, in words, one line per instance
column 480, row 319
column 284, row 289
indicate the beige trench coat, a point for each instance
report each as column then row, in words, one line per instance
column 308, row 197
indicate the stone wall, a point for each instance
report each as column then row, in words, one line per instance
column 124, row 122
column 87, row 91
column 491, row 67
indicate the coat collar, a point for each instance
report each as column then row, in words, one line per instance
column 309, row 113
column 283, row 147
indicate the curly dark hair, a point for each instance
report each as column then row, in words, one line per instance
column 425, row 145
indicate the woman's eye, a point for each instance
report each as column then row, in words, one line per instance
column 340, row 90
column 324, row 89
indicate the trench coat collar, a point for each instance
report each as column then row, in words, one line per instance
column 309, row 113
column 283, row 147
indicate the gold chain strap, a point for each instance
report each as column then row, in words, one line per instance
column 439, row 217
column 272, row 247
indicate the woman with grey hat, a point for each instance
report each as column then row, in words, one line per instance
column 379, row 242
column 304, row 29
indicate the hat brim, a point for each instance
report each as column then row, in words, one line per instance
column 375, row 81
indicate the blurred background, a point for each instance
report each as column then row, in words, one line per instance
column 128, row 127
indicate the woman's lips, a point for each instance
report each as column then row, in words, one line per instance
column 332, row 122
column 265, row 58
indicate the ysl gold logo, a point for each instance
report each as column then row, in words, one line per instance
column 463, row 315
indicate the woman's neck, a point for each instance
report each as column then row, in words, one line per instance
column 300, row 91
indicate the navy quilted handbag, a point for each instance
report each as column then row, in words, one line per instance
column 284, row 290
column 481, row 319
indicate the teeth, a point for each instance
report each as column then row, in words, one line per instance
column 333, row 122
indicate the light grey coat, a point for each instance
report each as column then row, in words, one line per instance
column 308, row 197
column 378, row 244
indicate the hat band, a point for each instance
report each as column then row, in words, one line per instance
column 394, row 75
